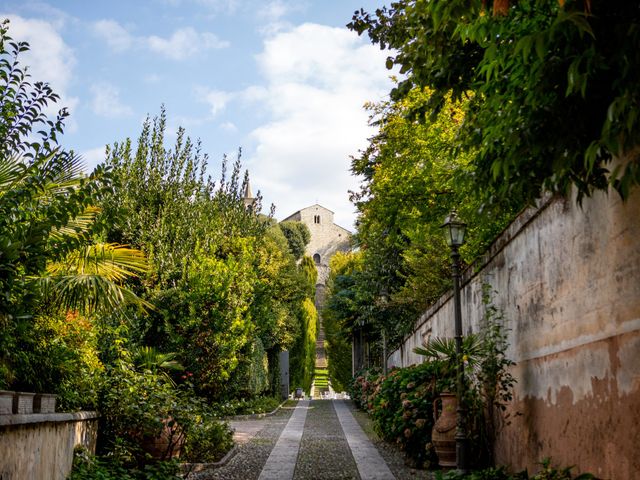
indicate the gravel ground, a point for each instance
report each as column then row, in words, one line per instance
column 390, row 453
column 324, row 453
column 251, row 457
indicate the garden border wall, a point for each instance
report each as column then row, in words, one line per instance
column 567, row 279
column 40, row 446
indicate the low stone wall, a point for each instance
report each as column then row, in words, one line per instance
column 568, row 282
column 40, row 446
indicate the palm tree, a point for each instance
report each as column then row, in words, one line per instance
column 46, row 216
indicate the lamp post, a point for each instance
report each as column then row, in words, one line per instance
column 454, row 230
column 361, row 343
column 384, row 297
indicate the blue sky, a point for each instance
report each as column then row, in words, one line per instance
column 284, row 80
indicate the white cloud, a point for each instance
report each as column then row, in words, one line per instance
column 49, row 59
column 106, row 101
column 254, row 93
column 216, row 99
column 55, row 16
column 185, row 42
column 116, row 36
column 318, row 79
column 181, row 44
column 273, row 12
column 229, row 127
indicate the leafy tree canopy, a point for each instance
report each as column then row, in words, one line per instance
column 555, row 83
column 411, row 181
column 49, row 263
column 298, row 236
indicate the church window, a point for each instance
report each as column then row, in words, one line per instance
column 316, row 258
column 316, row 219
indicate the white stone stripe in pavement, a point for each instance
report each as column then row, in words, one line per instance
column 282, row 461
column 371, row 465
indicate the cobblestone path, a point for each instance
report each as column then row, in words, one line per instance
column 315, row 440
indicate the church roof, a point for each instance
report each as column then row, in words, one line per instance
column 310, row 207
column 307, row 208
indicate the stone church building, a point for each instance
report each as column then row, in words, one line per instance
column 327, row 238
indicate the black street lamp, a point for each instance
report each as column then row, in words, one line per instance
column 384, row 297
column 454, row 229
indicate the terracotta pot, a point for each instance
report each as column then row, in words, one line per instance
column 167, row 444
column 443, row 434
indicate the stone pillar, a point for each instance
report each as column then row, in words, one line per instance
column 284, row 375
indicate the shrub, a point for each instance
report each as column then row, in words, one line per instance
column 137, row 405
column 89, row 467
column 403, row 409
column 362, row 388
column 208, row 440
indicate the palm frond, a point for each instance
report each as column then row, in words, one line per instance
column 87, row 293
column 90, row 278
column 444, row 348
column 111, row 261
column 12, row 171
column 151, row 359
column 62, row 171
column 75, row 226
column 437, row 348
column 54, row 173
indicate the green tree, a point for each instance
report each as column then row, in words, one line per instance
column 340, row 314
column 303, row 354
column 411, row 181
column 297, row 235
column 555, row 86
column 49, row 264
column 223, row 279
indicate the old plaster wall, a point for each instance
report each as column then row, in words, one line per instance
column 568, row 282
column 40, row 446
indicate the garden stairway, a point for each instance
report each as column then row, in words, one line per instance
column 321, row 374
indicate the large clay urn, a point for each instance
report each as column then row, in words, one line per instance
column 443, row 434
column 168, row 444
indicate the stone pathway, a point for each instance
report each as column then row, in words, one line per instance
column 282, row 460
column 324, row 453
column 370, row 463
column 315, row 440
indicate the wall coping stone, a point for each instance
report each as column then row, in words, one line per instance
column 24, row 419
